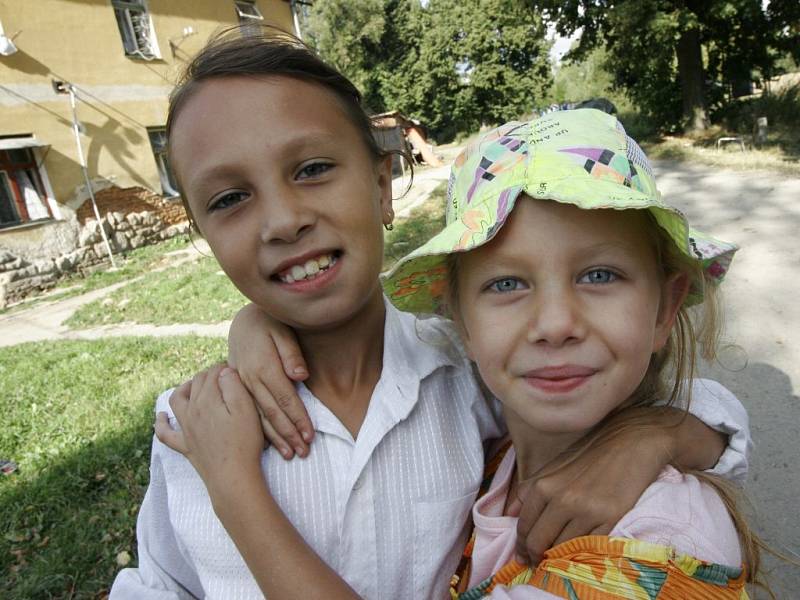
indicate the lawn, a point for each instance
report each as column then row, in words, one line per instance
column 129, row 266
column 194, row 292
column 77, row 418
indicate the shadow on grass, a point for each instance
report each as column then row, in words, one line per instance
column 78, row 420
column 66, row 527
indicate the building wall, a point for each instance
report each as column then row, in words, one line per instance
column 120, row 97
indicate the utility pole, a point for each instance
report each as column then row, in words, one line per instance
column 61, row 87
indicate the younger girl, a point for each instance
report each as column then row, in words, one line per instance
column 280, row 173
column 570, row 281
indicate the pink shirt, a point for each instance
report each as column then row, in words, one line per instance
column 677, row 510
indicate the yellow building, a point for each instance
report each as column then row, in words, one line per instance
column 121, row 58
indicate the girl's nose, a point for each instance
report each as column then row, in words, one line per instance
column 556, row 319
column 285, row 218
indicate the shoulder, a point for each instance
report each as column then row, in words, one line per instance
column 685, row 513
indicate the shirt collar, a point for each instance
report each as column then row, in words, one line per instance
column 413, row 348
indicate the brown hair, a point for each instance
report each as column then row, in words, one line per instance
column 269, row 52
column 666, row 383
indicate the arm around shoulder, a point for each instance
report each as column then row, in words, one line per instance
column 720, row 410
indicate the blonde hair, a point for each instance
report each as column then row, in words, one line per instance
column 667, row 382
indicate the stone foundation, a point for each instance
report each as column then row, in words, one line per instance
column 142, row 218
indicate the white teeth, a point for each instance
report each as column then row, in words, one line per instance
column 312, row 267
column 309, row 269
column 298, row 272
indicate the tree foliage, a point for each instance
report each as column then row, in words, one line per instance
column 454, row 64
column 676, row 58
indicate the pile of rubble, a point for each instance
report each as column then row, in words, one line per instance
column 20, row 278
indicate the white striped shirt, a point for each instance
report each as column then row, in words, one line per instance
column 387, row 510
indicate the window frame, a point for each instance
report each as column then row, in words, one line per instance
column 8, row 166
column 131, row 44
column 246, row 18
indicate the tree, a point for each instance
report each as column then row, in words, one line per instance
column 344, row 32
column 453, row 64
column 663, row 52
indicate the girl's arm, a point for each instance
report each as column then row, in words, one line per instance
column 221, row 437
column 593, row 492
column 268, row 359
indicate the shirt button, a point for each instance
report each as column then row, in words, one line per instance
column 359, row 482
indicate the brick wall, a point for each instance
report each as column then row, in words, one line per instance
column 130, row 200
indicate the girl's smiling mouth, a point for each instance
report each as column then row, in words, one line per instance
column 308, row 269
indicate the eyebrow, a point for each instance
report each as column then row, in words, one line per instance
column 294, row 145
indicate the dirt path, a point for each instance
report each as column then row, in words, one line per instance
column 761, row 212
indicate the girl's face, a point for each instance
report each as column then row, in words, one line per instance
column 562, row 310
column 287, row 195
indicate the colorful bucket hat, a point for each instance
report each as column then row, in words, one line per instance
column 581, row 157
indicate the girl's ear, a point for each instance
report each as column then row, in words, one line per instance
column 673, row 293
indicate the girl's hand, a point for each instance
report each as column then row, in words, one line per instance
column 268, row 358
column 220, row 432
column 592, row 493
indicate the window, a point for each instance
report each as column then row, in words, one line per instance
column 22, row 189
column 249, row 16
column 158, row 141
column 247, row 11
column 136, row 28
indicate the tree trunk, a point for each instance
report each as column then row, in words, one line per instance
column 690, row 69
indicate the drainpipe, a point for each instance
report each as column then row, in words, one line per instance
column 295, row 19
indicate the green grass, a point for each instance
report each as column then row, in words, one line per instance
column 130, row 265
column 411, row 232
column 196, row 292
column 77, row 418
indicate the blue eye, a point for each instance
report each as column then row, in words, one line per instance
column 315, row 169
column 227, row 200
column 598, row 276
column 505, row 284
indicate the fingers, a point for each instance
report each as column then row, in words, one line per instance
column 572, row 530
column 543, row 534
column 531, row 502
column 179, row 399
column 168, row 436
column 289, row 351
column 285, row 394
column 273, row 437
column 274, row 406
column 236, row 397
